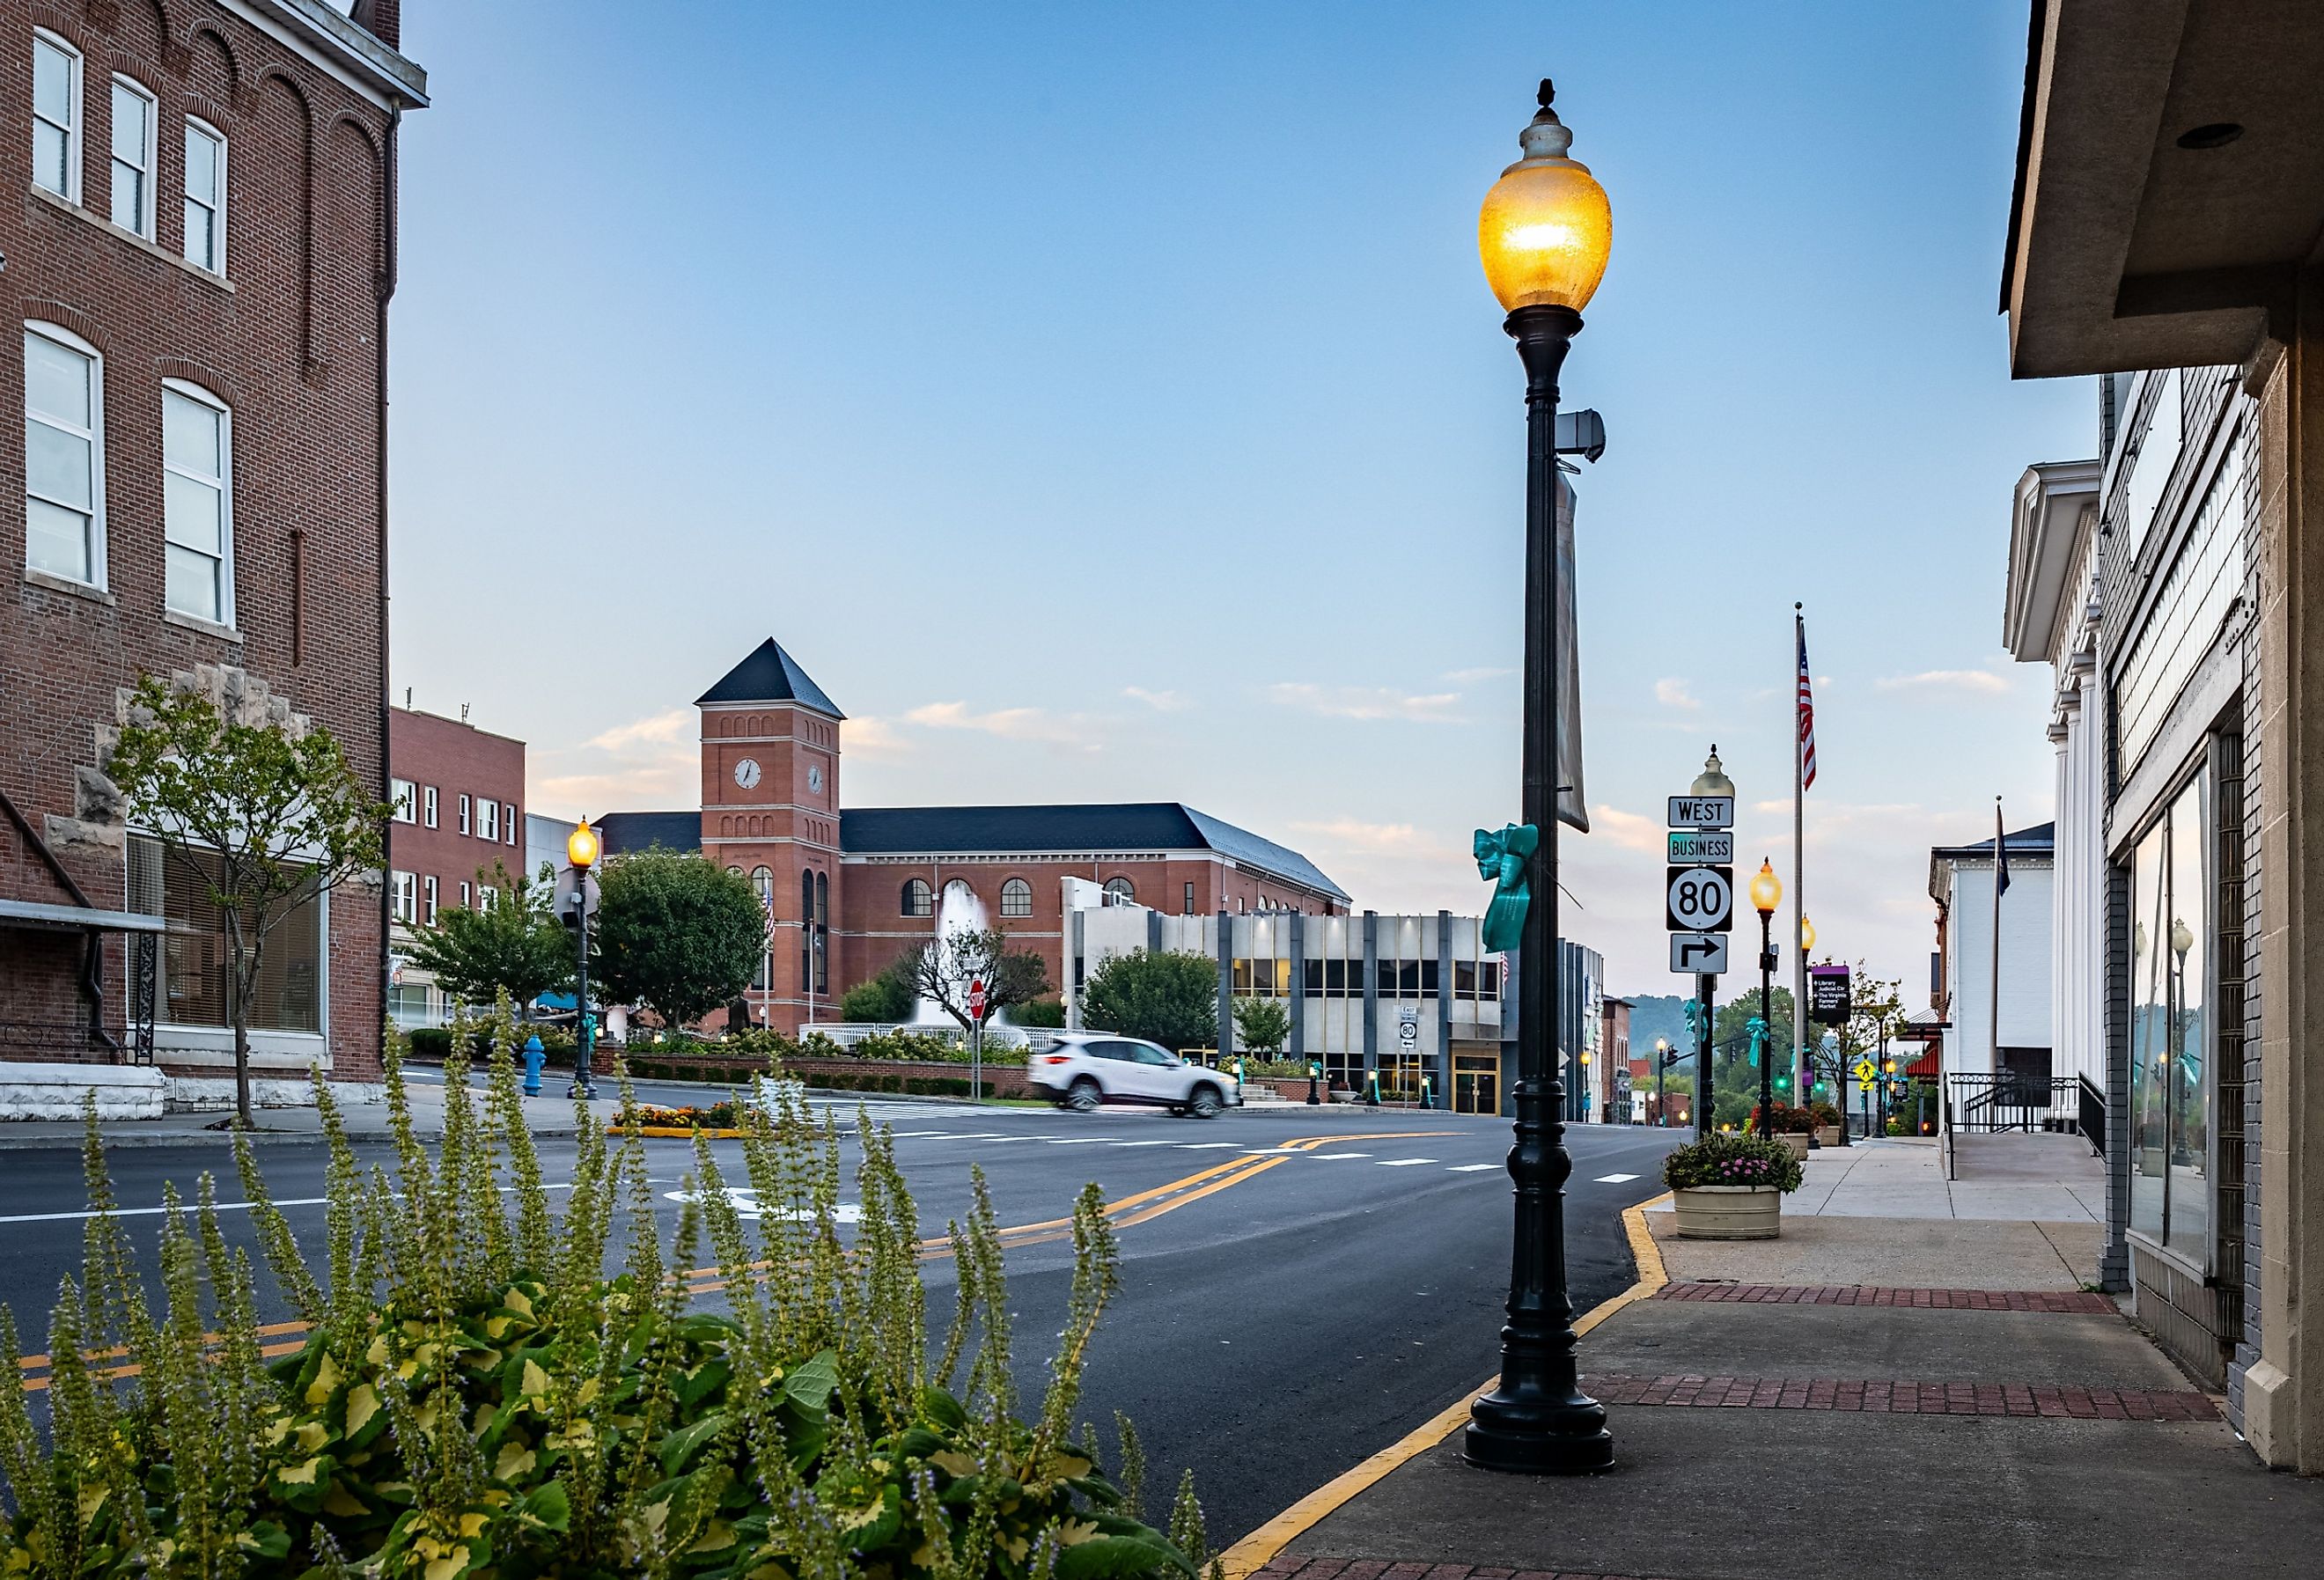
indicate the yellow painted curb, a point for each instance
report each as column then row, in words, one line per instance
column 1253, row 1552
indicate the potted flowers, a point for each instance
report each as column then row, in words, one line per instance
column 1793, row 1127
column 1731, row 1186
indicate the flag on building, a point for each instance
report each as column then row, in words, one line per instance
column 1807, row 714
column 2000, row 854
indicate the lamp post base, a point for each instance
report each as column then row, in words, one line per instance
column 1537, row 1435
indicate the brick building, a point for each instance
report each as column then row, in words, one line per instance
column 458, row 793
column 199, row 266
column 850, row 890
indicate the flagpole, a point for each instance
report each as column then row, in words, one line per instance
column 1799, row 871
column 1992, row 1023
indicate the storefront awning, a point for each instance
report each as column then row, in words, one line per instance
column 32, row 913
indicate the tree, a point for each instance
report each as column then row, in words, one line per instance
column 676, row 933
column 1734, row 1080
column 1171, row 999
column 1261, row 1024
column 258, row 806
column 887, row 998
column 514, row 942
column 943, row 969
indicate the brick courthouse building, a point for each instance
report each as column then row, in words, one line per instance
column 198, row 260
column 849, row 890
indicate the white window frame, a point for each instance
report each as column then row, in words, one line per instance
column 403, row 896
column 142, row 222
column 488, row 899
column 404, row 796
column 223, row 482
column 464, row 817
column 428, row 899
column 508, row 822
column 95, row 435
column 465, row 896
column 427, row 806
column 75, row 66
column 215, row 203
column 488, row 819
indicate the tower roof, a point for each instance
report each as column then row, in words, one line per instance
column 770, row 675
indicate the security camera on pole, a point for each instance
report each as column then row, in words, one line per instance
column 1700, row 904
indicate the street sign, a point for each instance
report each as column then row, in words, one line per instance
column 1700, row 848
column 1828, row 1002
column 1702, row 812
column 1407, row 1027
column 1865, row 1071
column 976, row 1001
column 1701, row 899
column 1698, row 953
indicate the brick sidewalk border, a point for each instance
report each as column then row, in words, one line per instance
column 2063, row 1302
column 1285, row 1567
column 1875, row 1396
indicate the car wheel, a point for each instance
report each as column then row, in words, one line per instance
column 1083, row 1097
column 1206, row 1102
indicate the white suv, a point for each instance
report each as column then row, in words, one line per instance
column 1085, row 1068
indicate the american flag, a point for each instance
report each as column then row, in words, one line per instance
column 1807, row 714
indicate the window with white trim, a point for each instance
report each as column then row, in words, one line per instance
column 56, row 115
column 463, row 813
column 427, row 900
column 64, row 455
column 403, row 896
column 196, row 502
column 465, row 892
column 487, row 897
column 488, row 818
column 508, row 822
column 205, row 240
column 402, row 795
column 134, row 112
column 427, row 807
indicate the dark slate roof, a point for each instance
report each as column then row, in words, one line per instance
column 769, row 675
column 1118, row 826
column 624, row 833
column 2042, row 839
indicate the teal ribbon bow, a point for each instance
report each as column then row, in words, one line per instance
column 1758, row 1040
column 1502, row 855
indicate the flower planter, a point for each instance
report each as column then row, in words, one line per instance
column 1729, row 1211
column 1798, row 1142
column 1827, row 1135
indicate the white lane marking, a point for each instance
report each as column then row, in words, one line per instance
column 906, row 1135
column 1274, row 1151
column 1206, row 1146
column 746, row 1205
column 1328, row 1157
column 224, row 1207
column 1143, row 1143
column 1404, row 1162
column 1077, row 1140
column 1614, row 1180
column 1471, row 1168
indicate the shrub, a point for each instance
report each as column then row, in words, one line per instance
column 1732, row 1159
column 473, row 1397
column 1043, row 1012
column 1789, row 1121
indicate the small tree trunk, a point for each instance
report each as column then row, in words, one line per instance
column 238, row 983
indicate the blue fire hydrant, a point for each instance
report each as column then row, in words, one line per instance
column 533, row 1058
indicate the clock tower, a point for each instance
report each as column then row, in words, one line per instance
column 771, row 811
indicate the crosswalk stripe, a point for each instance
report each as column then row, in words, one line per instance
column 1614, row 1180
column 1470, row 1168
column 1327, row 1157
column 1404, row 1162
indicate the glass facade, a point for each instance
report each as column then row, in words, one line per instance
column 2170, row 1029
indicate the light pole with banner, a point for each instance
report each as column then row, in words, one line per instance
column 581, row 848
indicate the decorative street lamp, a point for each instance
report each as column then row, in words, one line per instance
column 1543, row 235
column 1766, row 893
column 1807, row 934
column 581, row 849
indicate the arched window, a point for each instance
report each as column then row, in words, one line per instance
column 762, row 878
column 806, row 896
column 919, row 900
column 1120, row 891
column 1016, row 898
column 823, row 899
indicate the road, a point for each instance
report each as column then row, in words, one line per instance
column 1341, row 1285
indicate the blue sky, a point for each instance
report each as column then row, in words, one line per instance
column 1105, row 402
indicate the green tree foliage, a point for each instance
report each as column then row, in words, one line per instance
column 1169, row 998
column 1261, row 1024
column 511, row 944
column 1735, row 1078
column 260, row 812
column 1048, row 1012
column 886, row 998
column 944, row 969
column 676, row 933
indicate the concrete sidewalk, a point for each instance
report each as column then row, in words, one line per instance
column 1931, row 1392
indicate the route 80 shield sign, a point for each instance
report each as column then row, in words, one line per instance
column 1700, row 899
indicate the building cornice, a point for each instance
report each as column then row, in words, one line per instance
column 2052, row 516
column 349, row 50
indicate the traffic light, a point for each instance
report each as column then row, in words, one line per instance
column 1783, row 1083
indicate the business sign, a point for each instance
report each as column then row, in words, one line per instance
column 1828, row 1002
column 1700, row 848
column 1702, row 812
column 1701, row 899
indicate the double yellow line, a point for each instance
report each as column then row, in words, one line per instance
column 1142, row 1207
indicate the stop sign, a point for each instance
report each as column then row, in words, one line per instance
column 977, row 1000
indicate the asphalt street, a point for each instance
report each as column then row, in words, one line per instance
column 1301, row 1287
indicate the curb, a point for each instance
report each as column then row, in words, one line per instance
column 1256, row 1551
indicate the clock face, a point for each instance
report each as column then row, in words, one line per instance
column 815, row 778
column 746, row 773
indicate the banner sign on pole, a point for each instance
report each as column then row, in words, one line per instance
column 1828, row 1000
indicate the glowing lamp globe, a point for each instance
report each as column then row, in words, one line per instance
column 1766, row 889
column 581, row 847
column 1807, row 934
column 1545, row 229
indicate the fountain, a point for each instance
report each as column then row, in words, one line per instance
column 959, row 911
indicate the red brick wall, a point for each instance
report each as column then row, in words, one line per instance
column 786, row 823
column 293, row 347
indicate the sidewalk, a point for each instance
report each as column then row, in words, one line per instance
column 1928, row 1393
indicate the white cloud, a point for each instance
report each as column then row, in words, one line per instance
column 1471, row 677
column 1367, row 702
column 659, row 729
column 1159, row 701
column 1672, row 692
column 1964, row 683
column 872, row 737
column 1399, row 839
column 1626, row 830
column 1009, row 724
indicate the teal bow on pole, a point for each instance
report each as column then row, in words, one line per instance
column 1501, row 858
column 1695, row 1017
column 1758, row 1040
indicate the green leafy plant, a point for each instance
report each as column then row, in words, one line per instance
column 1261, row 1024
column 944, row 970
column 1169, row 998
column 676, row 933
column 469, row 1396
column 887, row 997
column 1732, row 1159
column 511, row 944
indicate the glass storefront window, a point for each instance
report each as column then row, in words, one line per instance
column 2170, row 1029
column 197, row 958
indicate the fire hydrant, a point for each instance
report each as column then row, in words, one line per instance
column 533, row 1058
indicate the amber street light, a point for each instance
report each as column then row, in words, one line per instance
column 1766, row 893
column 1807, row 934
column 581, row 848
column 1542, row 236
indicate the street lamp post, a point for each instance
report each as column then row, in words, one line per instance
column 1766, row 893
column 1542, row 236
column 581, row 849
